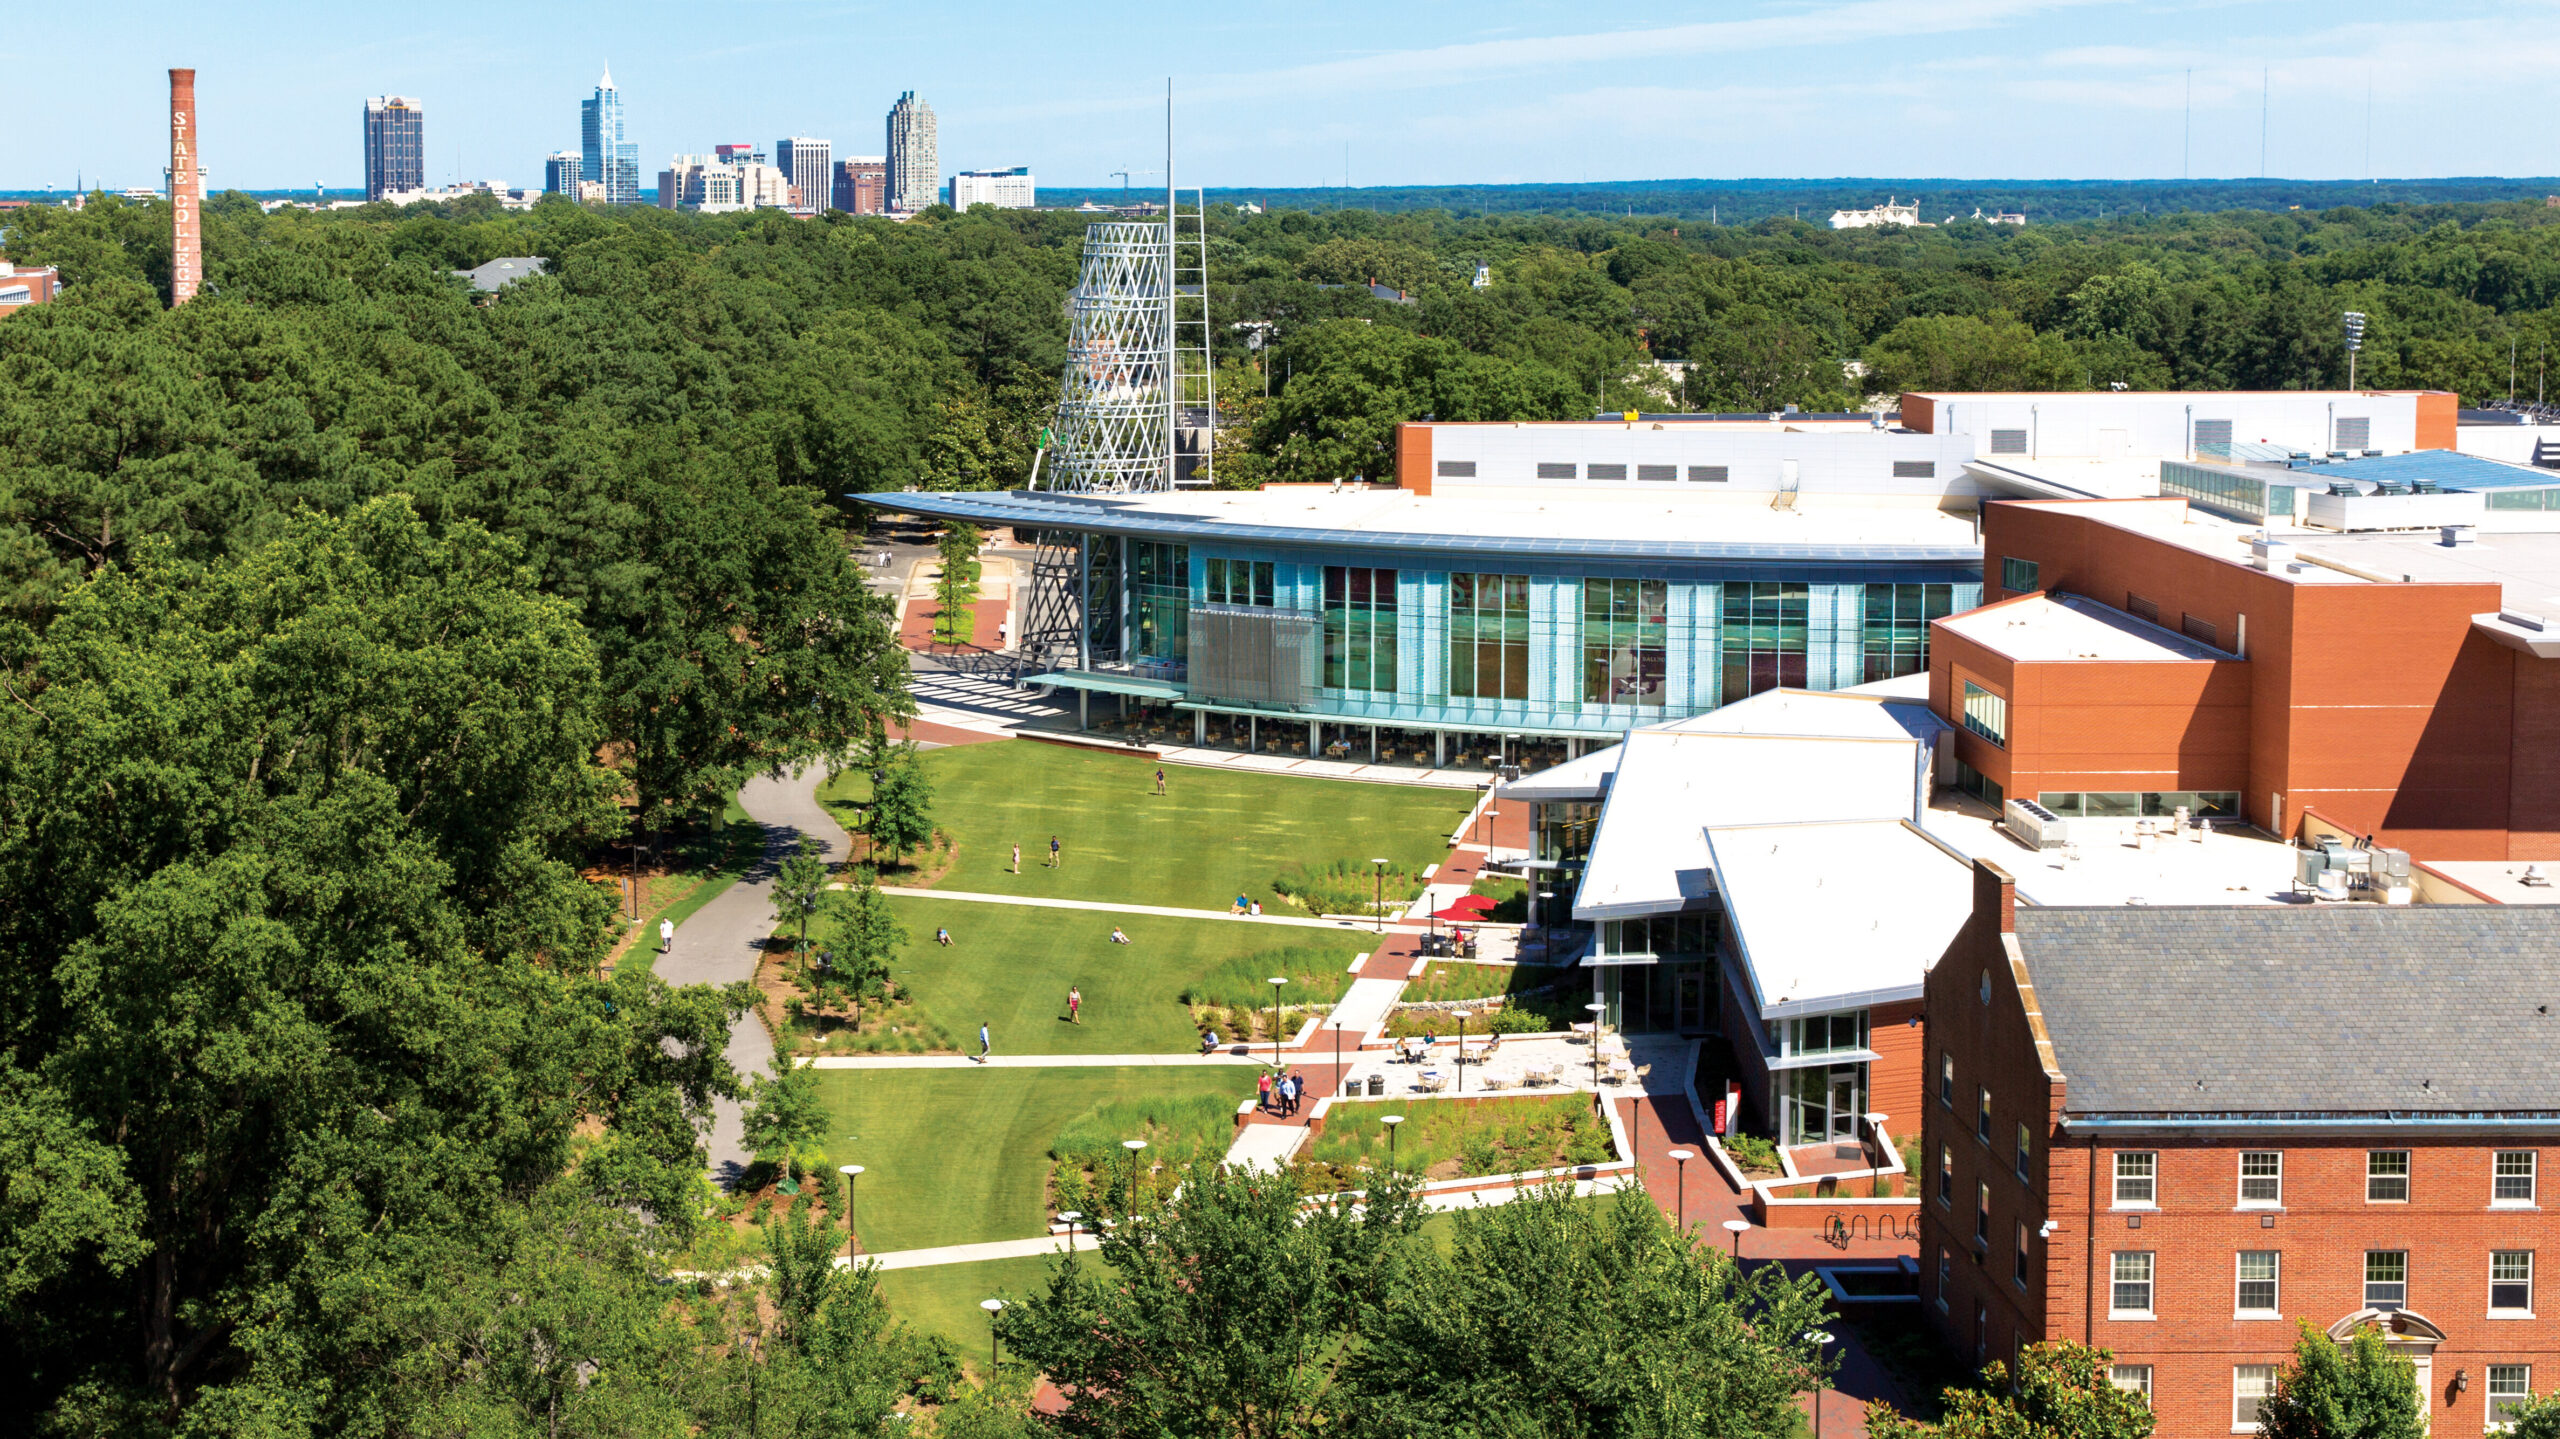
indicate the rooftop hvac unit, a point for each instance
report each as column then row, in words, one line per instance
column 2308, row 866
column 2460, row 535
column 2391, row 866
column 2041, row 828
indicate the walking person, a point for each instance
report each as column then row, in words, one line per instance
column 1075, row 1001
column 666, row 936
column 1055, row 858
column 1159, row 779
column 1262, row 1092
column 1289, row 1093
column 986, row 1046
column 1017, row 856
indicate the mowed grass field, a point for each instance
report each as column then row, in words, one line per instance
column 1213, row 835
column 960, row 1156
column 1009, row 967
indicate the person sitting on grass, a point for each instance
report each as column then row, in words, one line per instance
column 1241, row 902
column 1209, row 1041
column 1117, row 936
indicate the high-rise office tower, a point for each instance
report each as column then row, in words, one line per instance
column 862, row 184
column 611, row 158
column 805, row 161
column 395, row 145
column 561, row 172
column 915, row 167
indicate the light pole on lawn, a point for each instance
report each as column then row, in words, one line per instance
column 1682, row 1158
column 1818, row 1338
column 1129, row 1203
column 1462, row 1016
column 993, row 1307
column 851, row 1173
column 1737, row 1228
column 1597, row 1009
column 1276, row 982
column 1071, row 1216
column 1391, row 1121
column 1378, row 896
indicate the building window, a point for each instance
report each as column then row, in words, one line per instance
column 1240, row 582
column 1455, row 469
column 1624, row 623
column 2511, row 1176
column 2251, row 1384
column 2020, row 1274
column 2261, row 1177
column 1946, row 1176
column 2137, row 1177
column 2018, row 575
column 1549, row 470
column 1986, row 714
column 1160, row 593
column 2386, row 1176
column 2132, row 1379
column 1658, row 472
column 2203, row 632
column 2142, row 609
column 1841, row 1033
column 2257, row 1282
column 2008, row 442
column 1982, row 1216
column 1915, row 469
column 2386, row 1278
column 1895, row 627
column 2511, row 1281
column 2508, row 1386
column 2026, row 1152
column 1947, row 1079
column 1764, row 637
column 1946, row 1276
column 1709, row 474
column 2129, row 1295
column 1982, row 1116
column 1604, row 472
column 1981, row 1334
column 1359, row 629
column 1489, row 637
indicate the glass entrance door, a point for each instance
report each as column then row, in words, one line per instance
column 1692, row 1004
column 1844, row 1104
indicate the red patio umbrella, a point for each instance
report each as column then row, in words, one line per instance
column 1480, row 904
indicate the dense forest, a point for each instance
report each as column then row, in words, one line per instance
column 347, row 613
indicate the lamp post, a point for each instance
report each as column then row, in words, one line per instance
column 1819, row 1338
column 1276, row 982
column 1071, row 1216
column 1391, row 1121
column 1378, row 896
column 1736, row 1227
column 851, row 1173
column 1129, row 1205
column 1682, row 1157
column 1462, row 1016
column 1597, row 1009
column 993, row 1307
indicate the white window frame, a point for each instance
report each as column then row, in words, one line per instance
column 2495, row 1310
column 2407, row 1179
column 2520, row 1377
column 2150, row 1179
column 1946, row 1175
column 2274, row 1279
column 1982, row 1115
column 1947, row 1080
column 2369, row 1281
column 1982, row 1216
column 2150, row 1282
column 2244, row 1176
column 2253, row 1375
column 2132, row 1379
column 2532, row 1178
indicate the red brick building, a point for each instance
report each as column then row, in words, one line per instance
column 2175, row 1132
column 24, row 285
column 2398, row 685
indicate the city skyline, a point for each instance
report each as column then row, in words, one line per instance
column 1511, row 92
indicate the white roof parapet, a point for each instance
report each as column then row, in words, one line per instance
column 1834, row 916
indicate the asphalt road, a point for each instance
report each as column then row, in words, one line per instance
column 721, row 943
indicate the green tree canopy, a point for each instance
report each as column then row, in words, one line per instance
column 2062, row 1391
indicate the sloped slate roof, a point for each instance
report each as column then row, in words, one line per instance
column 2348, row 1009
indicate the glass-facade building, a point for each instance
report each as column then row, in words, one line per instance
column 608, row 156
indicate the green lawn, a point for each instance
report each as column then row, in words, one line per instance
column 1009, row 967
column 959, row 1156
column 943, row 1300
column 1214, row 834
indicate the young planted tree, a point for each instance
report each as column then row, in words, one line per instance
column 867, row 939
column 2062, row 1392
column 785, row 1119
column 2357, row 1391
column 955, row 594
column 800, row 892
column 901, row 815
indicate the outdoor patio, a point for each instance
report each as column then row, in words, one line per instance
column 1513, row 1064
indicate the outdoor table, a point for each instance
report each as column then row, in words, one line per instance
column 1434, row 1080
column 1583, row 1030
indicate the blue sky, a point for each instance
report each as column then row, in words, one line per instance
column 1271, row 94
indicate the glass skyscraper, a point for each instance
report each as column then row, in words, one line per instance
column 608, row 158
column 395, row 155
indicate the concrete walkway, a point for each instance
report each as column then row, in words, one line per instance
column 723, row 940
column 1365, row 1005
column 1041, row 902
column 977, row 1253
column 1038, row 1061
column 1265, row 1147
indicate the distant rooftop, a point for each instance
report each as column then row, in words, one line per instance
column 502, row 272
column 2105, row 863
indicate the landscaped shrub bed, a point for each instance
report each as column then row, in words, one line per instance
column 1345, row 887
column 1090, row 1169
column 1463, row 1138
column 1522, row 1014
column 1316, row 976
column 1447, row 980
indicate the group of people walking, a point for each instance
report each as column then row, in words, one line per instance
column 1281, row 1093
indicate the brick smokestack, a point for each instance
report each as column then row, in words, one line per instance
column 186, row 191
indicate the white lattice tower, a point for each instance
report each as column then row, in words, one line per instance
column 1113, row 430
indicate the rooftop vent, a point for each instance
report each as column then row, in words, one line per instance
column 2459, row 535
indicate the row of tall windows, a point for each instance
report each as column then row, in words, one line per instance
column 2253, row 1384
column 1489, row 636
column 2512, row 1176
column 1624, row 623
column 1895, row 625
column 1359, row 629
column 1765, row 624
column 1240, row 582
column 1160, row 591
column 2257, row 1285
